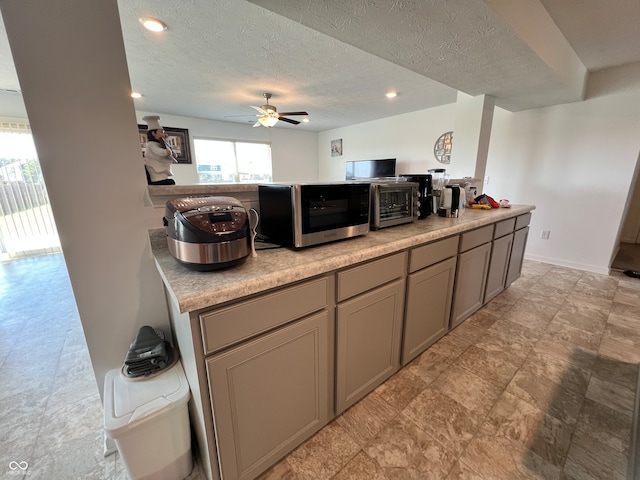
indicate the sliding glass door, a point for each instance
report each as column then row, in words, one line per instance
column 26, row 222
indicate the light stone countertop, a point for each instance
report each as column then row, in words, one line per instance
column 201, row 189
column 157, row 195
column 278, row 267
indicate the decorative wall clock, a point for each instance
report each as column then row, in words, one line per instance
column 442, row 148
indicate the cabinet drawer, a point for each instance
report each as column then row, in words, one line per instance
column 432, row 253
column 224, row 327
column 523, row 220
column 370, row 275
column 504, row 227
column 475, row 238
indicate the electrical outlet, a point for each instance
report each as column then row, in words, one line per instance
column 545, row 234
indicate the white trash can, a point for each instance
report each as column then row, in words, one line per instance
column 148, row 418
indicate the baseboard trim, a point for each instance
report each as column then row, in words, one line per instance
column 561, row 263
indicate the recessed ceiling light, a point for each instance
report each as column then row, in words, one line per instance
column 153, row 24
column 305, row 120
column 136, row 95
column 391, row 94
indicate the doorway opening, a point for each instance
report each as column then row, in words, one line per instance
column 627, row 256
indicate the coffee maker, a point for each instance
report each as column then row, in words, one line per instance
column 452, row 201
column 425, row 193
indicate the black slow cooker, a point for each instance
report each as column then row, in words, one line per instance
column 207, row 233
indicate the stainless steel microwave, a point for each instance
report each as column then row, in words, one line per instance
column 306, row 214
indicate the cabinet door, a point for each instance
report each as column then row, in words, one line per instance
column 471, row 277
column 498, row 266
column 429, row 295
column 269, row 395
column 368, row 335
column 517, row 255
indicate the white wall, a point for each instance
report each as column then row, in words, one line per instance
column 294, row 155
column 575, row 162
column 472, row 134
column 293, row 151
column 408, row 138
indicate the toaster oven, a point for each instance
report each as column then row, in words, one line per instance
column 393, row 203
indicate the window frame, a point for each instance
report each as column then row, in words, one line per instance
column 234, row 141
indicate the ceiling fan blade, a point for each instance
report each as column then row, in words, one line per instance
column 294, row 113
column 249, row 115
column 288, row 120
column 257, row 124
column 263, row 112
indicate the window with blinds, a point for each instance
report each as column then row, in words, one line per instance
column 27, row 226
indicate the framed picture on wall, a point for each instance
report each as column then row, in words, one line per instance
column 442, row 147
column 178, row 138
column 336, row 148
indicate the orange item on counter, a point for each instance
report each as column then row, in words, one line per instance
column 485, row 199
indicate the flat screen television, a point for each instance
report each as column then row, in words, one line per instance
column 371, row 168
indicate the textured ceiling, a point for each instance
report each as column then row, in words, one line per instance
column 464, row 44
column 336, row 59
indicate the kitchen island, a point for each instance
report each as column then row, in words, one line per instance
column 278, row 346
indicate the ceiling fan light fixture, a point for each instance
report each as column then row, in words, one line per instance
column 268, row 121
column 153, row 24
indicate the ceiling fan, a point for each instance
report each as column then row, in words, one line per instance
column 269, row 115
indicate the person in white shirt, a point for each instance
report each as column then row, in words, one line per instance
column 158, row 156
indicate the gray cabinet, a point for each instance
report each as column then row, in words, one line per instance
column 368, row 327
column 429, row 296
column 517, row 255
column 471, row 273
column 269, row 366
column 496, row 278
column 270, row 394
column 500, row 255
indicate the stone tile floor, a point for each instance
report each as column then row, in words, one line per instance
column 50, row 411
column 539, row 384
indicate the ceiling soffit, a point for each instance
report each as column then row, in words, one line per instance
column 604, row 34
column 465, row 44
